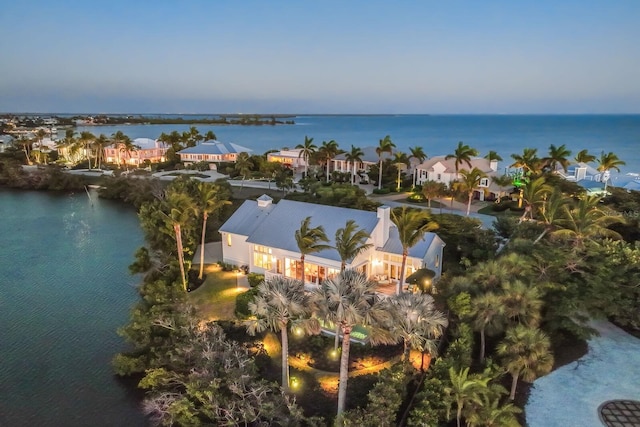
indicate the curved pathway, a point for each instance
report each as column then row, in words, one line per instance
column 571, row 395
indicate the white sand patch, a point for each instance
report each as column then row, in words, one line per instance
column 571, row 395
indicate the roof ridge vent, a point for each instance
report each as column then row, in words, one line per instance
column 264, row 201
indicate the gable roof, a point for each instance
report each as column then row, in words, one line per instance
column 215, row 147
column 276, row 224
column 419, row 250
column 450, row 164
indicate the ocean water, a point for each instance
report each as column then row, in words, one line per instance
column 64, row 290
column 437, row 134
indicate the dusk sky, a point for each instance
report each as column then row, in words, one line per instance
column 544, row 56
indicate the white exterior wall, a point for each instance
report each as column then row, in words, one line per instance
column 239, row 253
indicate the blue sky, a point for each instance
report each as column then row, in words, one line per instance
column 320, row 57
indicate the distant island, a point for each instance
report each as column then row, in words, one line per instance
column 37, row 120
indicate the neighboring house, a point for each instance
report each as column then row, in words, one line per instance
column 261, row 235
column 578, row 172
column 212, row 151
column 369, row 158
column 145, row 149
column 291, row 158
column 443, row 170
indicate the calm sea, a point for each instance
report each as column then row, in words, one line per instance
column 437, row 134
column 64, row 290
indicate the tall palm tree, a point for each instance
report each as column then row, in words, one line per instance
column 486, row 311
column 207, row 203
column 127, row 147
column 606, row 162
column 349, row 299
column 465, row 389
column 534, row 194
column 100, row 143
column 526, row 353
column 354, row 157
column 521, row 303
column 415, row 320
column 417, row 153
column 489, row 276
column 279, row 303
column 558, row 156
column 118, row 139
column 328, row 150
column 351, row 242
column 463, row 154
column 26, row 144
column 181, row 210
column 469, row 181
column 432, row 190
column 86, row 139
column 553, row 212
column 385, row 145
column 586, row 221
column 412, row 224
column 401, row 162
column 243, row 166
column 493, row 155
column 584, row 157
column 528, row 161
column 306, row 151
column 210, row 136
column 309, row 240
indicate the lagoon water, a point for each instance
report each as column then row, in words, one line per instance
column 64, row 291
column 437, row 134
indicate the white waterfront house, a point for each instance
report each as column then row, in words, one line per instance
column 212, row 151
column 369, row 158
column 440, row 169
column 291, row 158
column 261, row 235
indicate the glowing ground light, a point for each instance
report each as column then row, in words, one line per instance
column 333, row 354
column 294, row 383
column 298, row 331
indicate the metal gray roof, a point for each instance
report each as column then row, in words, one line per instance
column 245, row 220
column 215, row 147
column 277, row 228
column 393, row 245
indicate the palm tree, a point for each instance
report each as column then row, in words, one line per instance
column 210, row 136
column 465, row 389
column 412, row 224
column 309, row 241
column 489, row 276
column 417, row 153
column 328, row 150
column 528, row 160
column 207, row 203
column 553, row 212
column 486, row 312
column 415, row 320
column 118, row 139
column 127, row 147
column 534, row 194
column 586, row 221
column 526, row 353
column 401, row 162
column 181, row 209
column 25, row 143
column 463, row 154
column 609, row 161
column 491, row 413
column 584, row 157
column 349, row 299
column 279, row 303
column 354, row 157
column 432, row 190
column 521, row 303
column 493, row 155
column 385, row 145
column 351, row 242
column 86, row 138
column 558, row 156
column 306, row 151
column 99, row 144
column 470, row 180
column 243, row 166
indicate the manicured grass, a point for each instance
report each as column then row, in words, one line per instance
column 216, row 298
column 488, row 210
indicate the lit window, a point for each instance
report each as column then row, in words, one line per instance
column 228, row 239
column 437, row 263
column 262, row 257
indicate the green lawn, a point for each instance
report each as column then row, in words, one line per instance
column 216, row 298
column 488, row 210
